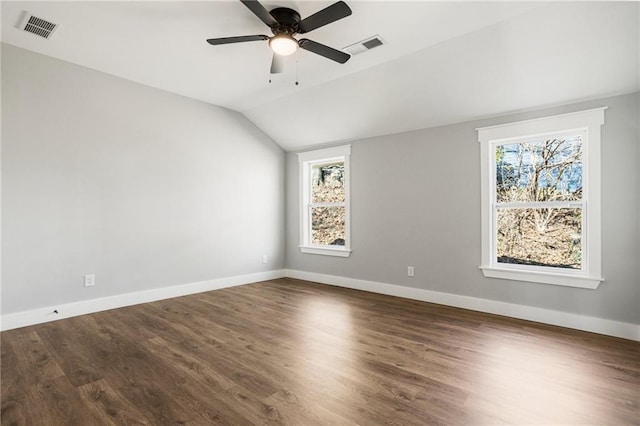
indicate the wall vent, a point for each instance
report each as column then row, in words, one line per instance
column 364, row 45
column 38, row 26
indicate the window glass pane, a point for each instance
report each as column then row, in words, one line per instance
column 541, row 237
column 327, row 225
column 549, row 170
column 327, row 183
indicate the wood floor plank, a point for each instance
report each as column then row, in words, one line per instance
column 12, row 386
column 296, row 410
column 109, row 405
column 152, row 385
column 34, row 361
column 289, row 352
column 57, row 402
column 222, row 388
column 67, row 347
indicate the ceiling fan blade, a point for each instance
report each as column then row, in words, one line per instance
column 260, row 12
column 277, row 64
column 322, row 50
column 326, row 16
column 239, row 39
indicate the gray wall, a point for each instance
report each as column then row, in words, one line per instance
column 141, row 187
column 416, row 201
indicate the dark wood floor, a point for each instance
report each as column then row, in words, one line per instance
column 290, row 352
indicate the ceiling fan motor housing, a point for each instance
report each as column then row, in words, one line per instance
column 288, row 20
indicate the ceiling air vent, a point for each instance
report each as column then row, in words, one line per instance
column 38, row 26
column 364, row 45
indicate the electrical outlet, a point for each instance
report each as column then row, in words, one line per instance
column 410, row 271
column 90, row 280
column 265, row 259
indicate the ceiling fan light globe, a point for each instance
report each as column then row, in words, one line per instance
column 283, row 45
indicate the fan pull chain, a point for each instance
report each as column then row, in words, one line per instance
column 297, row 74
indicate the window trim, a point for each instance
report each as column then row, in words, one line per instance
column 306, row 160
column 589, row 122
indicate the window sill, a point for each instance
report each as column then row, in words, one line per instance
column 326, row 251
column 542, row 277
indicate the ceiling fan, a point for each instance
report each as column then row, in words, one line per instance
column 284, row 24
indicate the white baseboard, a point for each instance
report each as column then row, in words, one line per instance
column 547, row 316
column 67, row 310
column 531, row 313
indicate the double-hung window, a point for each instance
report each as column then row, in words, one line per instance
column 324, row 201
column 541, row 200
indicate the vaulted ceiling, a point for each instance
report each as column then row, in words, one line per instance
column 442, row 62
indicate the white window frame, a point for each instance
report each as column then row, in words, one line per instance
column 306, row 161
column 587, row 123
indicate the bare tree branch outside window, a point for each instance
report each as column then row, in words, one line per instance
column 328, row 221
column 532, row 174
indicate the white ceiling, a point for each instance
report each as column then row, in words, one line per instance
column 444, row 62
